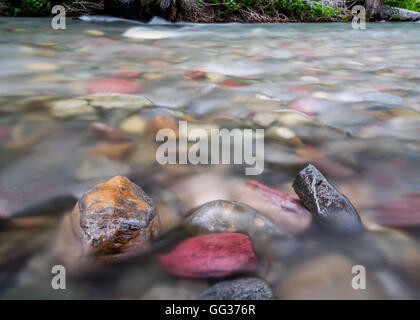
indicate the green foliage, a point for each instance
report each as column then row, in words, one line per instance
column 34, row 6
column 28, row 8
column 413, row 5
column 324, row 12
column 231, row 5
column 291, row 8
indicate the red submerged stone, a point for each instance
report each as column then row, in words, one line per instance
column 403, row 211
column 113, row 86
column 401, row 71
column 195, row 75
column 298, row 88
column 109, row 133
column 229, row 83
column 211, row 255
column 127, row 74
column 334, row 168
column 4, row 132
column 285, row 210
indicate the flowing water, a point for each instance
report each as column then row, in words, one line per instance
column 355, row 104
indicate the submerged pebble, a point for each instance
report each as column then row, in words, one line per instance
column 113, row 86
column 326, row 277
column 70, row 108
column 285, row 210
column 134, row 124
column 183, row 289
column 233, row 216
column 241, row 289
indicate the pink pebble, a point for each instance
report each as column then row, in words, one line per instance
column 113, row 86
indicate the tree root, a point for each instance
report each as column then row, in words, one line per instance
column 208, row 13
column 79, row 8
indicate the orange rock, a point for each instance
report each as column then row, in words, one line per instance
column 162, row 122
column 114, row 217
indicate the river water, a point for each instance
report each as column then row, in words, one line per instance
column 354, row 104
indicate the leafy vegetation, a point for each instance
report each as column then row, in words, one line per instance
column 298, row 10
column 292, row 8
column 43, row 7
column 413, row 5
column 28, row 7
column 324, row 11
column 34, row 6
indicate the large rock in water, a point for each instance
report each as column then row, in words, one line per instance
column 241, row 289
column 115, row 217
column 211, row 255
column 329, row 207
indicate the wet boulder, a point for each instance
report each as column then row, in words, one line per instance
column 329, row 208
column 115, row 217
column 211, row 255
column 241, row 289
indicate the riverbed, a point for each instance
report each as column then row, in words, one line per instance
column 81, row 105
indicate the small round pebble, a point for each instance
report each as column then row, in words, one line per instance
column 241, row 289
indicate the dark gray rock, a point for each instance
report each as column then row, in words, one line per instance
column 241, row 289
column 145, row 10
column 129, row 9
column 328, row 207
